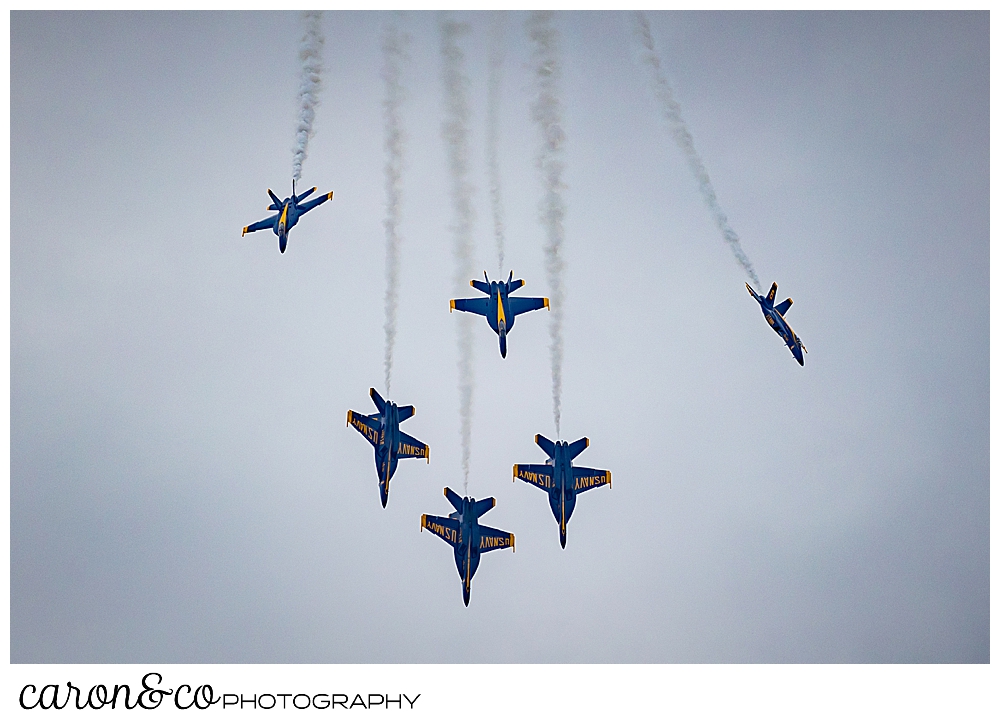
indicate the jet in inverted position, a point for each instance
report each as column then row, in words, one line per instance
column 775, row 316
column 501, row 308
column 561, row 479
column 391, row 444
column 466, row 535
column 288, row 214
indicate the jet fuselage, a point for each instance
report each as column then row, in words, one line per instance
column 466, row 554
column 562, row 496
column 388, row 441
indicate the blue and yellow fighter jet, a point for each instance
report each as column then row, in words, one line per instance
column 561, row 479
column 466, row 535
column 391, row 444
column 501, row 308
column 775, row 316
column 289, row 212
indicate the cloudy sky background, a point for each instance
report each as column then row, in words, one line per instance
column 183, row 486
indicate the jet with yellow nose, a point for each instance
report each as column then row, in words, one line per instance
column 289, row 211
column 500, row 308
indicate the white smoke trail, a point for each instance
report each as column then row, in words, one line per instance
column 498, row 31
column 679, row 130
column 393, row 56
column 311, row 55
column 455, row 132
column 546, row 110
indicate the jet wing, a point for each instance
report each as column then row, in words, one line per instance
column 444, row 528
column 520, row 305
column 410, row 447
column 479, row 305
column 366, row 425
column 491, row 539
column 588, row 478
column 267, row 223
column 538, row 475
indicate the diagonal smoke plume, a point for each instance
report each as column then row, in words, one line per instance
column 546, row 110
column 311, row 55
column 393, row 56
column 498, row 31
column 455, row 131
column 679, row 130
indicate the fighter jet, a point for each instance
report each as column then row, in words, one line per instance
column 466, row 535
column 501, row 308
column 775, row 316
column 561, row 479
column 289, row 212
column 391, row 444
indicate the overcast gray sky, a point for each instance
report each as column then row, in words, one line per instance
column 183, row 486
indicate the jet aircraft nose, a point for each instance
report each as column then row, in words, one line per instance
column 466, row 592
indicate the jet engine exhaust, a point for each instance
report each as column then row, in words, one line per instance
column 498, row 30
column 311, row 55
column 455, row 131
column 393, row 56
column 682, row 136
column 546, row 110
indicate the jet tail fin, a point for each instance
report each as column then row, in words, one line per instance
column 547, row 446
column 514, row 285
column 454, row 498
column 275, row 199
column 783, row 307
column 480, row 286
column 377, row 399
column 482, row 506
column 405, row 413
column 575, row 448
column 774, row 290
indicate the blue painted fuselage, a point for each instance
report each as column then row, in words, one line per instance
column 561, row 479
column 466, row 535
column 775, row 316
column 390, row 443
